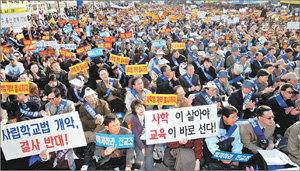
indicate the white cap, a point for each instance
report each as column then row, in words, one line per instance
column 181, row 33
column 191, row 39
column 88, row 92
column 210, row 85
column 160, row 52
column 238, row 69
column 153, row 28
column 220, row 52
column 162, row 61
column 79, row 81
column 187, row 26
column 212, row 45
column 201, row 53
column 184, row 37
column 194, row 47
column 199, row 37
column 182, row 67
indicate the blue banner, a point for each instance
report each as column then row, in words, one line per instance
column 75, row 37
column 67, row 29
column 158, row 43
column 222, row 155
column 88, row 31
column 38, row 49
column 79, row 3
column 95, row 52
column 104, row 34
column 118, row 141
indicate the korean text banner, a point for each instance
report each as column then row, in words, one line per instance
column 79, row 67
column 11, row 17
column 222, row 155
column 95, row 52
column 158, row 43
column 118, row 59
column 136, row 69
column 53, row 133
column 118, row 141
column 14, row 87
column 178, row 45
column 164, row 99
column 171, row 125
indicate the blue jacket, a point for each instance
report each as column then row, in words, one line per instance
column 236, row 143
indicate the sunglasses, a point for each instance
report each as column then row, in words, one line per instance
column 290, row 92
column 270, row 118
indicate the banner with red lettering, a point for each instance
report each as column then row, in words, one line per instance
column 163, row 99
column 126, row 35
column 136, row 69
column 118, row 59
column 51, row 133
column 14, row 88
column 172, row 125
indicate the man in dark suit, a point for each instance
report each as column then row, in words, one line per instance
column 190, row 81
column 167, row 82
column 243, row 100
column 207, row 96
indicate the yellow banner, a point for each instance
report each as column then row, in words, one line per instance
column 12, row 10
column 14, row 87
column 20, row 36
column 164, row 99
column 178, row 45
column 118, row 59
column 79, row 67
column 136, row 69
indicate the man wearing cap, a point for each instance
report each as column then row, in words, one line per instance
column 222, row 83
column 243, row 100
column 153, row 63
column 91, row 114
column 207, row 96
column 212, row 51
column 14, row 67
column 256, row 64
column 192, row 56
column 190, row 81
column 284, row 108
column 76, row 91
column 231, row 60
column 236, row 75
column 188, row 46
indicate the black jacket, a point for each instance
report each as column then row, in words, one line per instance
column 163, row 87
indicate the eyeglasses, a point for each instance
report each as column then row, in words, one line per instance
column 290, row 92
column 234, row 118
column 50, row 99
column 269, row 118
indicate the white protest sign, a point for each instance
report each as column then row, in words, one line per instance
column 235, row 20
column 160, row 13
column 45, row 43
column 11, row 17
column 276, row 157
column 135, row 18
column 201, row 14
column 262, row 40
column 65, row 46
column 17, row 29
column 171, row 125
column 53, row 133
column 293, row 25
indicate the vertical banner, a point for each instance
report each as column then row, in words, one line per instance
column 88, row 31
column 171, row 125
column 53, row 133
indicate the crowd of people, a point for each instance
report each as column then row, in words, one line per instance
column 249, row 68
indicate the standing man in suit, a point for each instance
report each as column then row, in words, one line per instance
column 243, row 100
column 257, row 134
column 190, row 81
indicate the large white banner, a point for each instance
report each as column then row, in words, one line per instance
column 11, row 17
column 177, row 124
column 53, row 133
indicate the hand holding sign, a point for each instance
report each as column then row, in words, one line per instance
column 44, row 155
column 109, row 150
